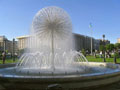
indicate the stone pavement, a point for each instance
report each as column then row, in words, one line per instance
column 115, row 86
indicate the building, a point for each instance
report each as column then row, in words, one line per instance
column 81, row 42
column 22, row 42
column 105, row 42
column 118, row 40
column 7, row 45
column 2, row 43
column 84, row 42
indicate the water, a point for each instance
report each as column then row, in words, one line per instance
column 50, row 46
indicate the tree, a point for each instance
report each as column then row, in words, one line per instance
column 109, row 47
column 102, row 48
column 117, row 45
column 116, row 54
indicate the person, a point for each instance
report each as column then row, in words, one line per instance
column 95, row 53
column 108, row 54
column 3, row 57
column 100, row 54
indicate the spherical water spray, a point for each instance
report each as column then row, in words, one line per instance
column 52, row 20
column 52, row 23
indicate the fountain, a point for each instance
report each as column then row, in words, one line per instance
column 50, row 60
column 50, row 45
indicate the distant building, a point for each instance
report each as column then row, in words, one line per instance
column 84, row 42
column 22, row 42
column 2, row 43
column 7, row 45
column 81, row 42
column 106, row 42
column 118, row 40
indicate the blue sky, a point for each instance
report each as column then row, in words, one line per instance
column 16, row 16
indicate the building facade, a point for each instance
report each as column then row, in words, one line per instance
column 118, row 40
column 2, row 42
column 7, row 45
column 81, row 42
column 22, row 42
column 104, row 42
column 84, row 42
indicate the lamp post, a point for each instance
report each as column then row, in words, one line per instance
column 13, row 49
column 104, row 48
column 91, row 44
column 90, row 26
column 4, row 45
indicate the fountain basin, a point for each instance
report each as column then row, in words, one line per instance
column 111, row 74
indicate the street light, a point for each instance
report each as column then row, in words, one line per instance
column 4, row 45
column 104, row 48
column 90, row 26
column 13, row 49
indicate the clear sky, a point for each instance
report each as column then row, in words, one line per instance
column 16, row 16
